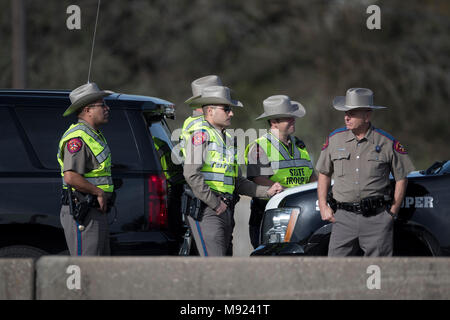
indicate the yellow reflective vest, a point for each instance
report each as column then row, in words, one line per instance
column 220, row 168
column 173, row 172
column 101, row 176
column 291, row 167
column 189, row 126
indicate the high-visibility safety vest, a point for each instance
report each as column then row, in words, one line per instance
column 189, row 126
column 290, row 168
column 220, row 168
column 100, row 177
column 173, row 172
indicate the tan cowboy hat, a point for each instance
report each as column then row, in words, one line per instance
column 198, row 85
column 355, row 98
column 84, row 95
column 216, row 95
column 281, row 106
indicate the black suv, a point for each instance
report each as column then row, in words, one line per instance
column 146, row 219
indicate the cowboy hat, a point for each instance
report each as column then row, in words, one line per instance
column 198, row 85
column 84, row 95
column 216, row 95
column 281, row 106
column 355, row 98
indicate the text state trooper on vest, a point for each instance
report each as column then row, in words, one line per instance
column 360, row 157
column 212, row 171
column 278, row 156
column 85, row 160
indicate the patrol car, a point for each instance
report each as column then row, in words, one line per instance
column 143, row 221
column 292, row 224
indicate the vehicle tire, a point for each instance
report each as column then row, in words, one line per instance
column 21, row 252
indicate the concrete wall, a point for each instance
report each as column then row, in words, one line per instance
column 242, row 278
column 16, row 279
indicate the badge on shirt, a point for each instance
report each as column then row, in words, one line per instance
column 199, row 138
column 399, row 148
column 74, row 145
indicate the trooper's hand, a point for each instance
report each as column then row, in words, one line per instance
column 274, row 189
column 101, row 198
column 327, row 214
column 221, row 208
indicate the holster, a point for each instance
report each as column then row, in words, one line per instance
column 80, row 203
column 331, row 201
column 190, row 205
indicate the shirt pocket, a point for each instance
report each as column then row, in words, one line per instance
column 378, row 164
column 340, row 158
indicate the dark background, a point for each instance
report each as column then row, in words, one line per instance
column 309, row 50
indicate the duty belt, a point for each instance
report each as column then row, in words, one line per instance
column 367, row 206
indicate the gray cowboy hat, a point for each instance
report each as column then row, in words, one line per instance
column 355, row 98
column 200, row 83
column 281, row 106
column 216, row 95
column 84, row 95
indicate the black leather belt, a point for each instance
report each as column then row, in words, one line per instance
column 367, row 206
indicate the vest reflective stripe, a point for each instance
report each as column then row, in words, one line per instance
column 96, row 181
column 211, row 176
column 282, row 150
column 291, row 163
column 101, row 176
column 212, row 146
column 195, row 120
column 220, row 168
column 85, row 129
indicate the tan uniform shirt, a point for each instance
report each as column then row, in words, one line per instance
column 82, row 160
column 201, row 190
column 361, row 168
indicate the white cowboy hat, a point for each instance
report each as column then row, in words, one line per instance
column 281, row 106
column 200, row 83
column 84, row 95
column 355, row 98
column 216, row 95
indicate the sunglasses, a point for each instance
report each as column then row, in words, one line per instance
column 225, row 108
column 103, row 105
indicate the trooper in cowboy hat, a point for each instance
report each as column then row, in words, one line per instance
column 85, row 95
column 85, row 161
column 212, row 172
column 277, row 156
column 194, row 121
column 360, row 157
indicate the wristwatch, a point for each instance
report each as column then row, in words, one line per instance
column 394, row 216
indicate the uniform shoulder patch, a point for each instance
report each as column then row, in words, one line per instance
column 399, row 148
column 199, row 137
column 74, row 145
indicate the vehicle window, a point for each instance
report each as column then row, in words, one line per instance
column 160, row 130
column 121, row 141
column 44, row 127
column 13, row 155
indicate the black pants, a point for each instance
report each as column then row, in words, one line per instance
column 257, row 207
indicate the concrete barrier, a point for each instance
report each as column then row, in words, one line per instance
column 16, row 279
column 242, row 278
